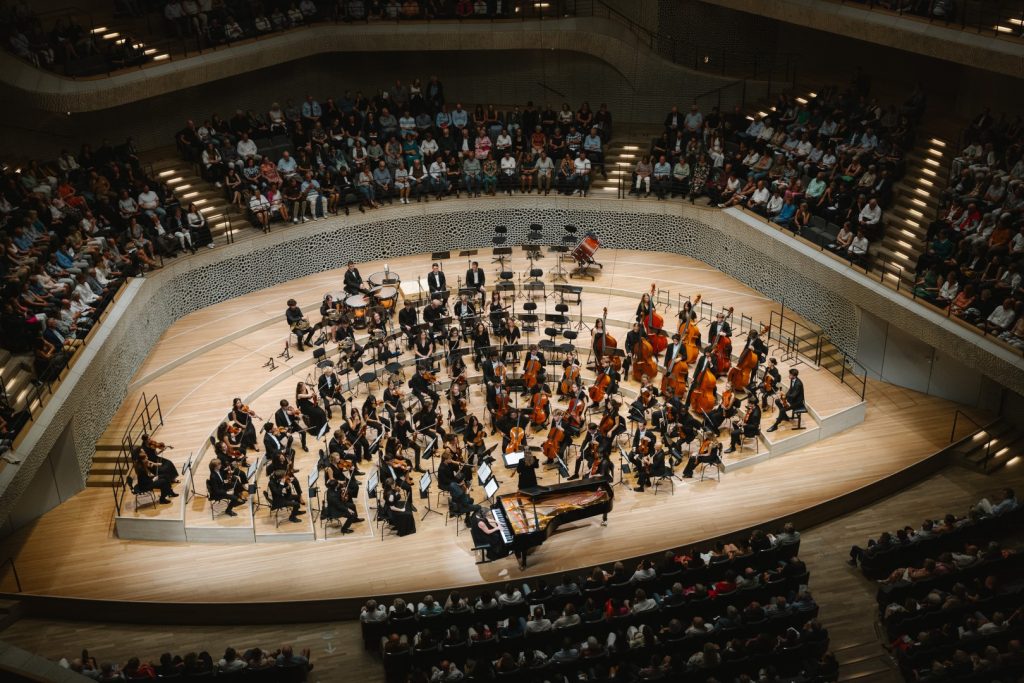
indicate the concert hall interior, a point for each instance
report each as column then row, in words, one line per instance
column 441, row 340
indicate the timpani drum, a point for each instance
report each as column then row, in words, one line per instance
column 386, row 297
column 383, row 277
column 358, row 303
column 585, row 250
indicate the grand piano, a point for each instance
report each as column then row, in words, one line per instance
column 528, row 517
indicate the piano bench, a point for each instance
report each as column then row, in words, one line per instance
column 483, row 552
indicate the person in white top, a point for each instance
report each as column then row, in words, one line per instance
column 246, row 148
column 428, row 147
column 439, row 176
column 149, row 202
column 858, row 250
column 759, row 198
column 581, row 174
column 507, row 179
column 260, row 208
column 870, row 216
column 1001, row 318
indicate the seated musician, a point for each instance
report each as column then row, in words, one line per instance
column 645, row 405
column 481, row 343
column 505, row 425
column 536, row 355
column 154, row 453
column 475, row 279
column 393, row 398
column 329, row 387
column 354, row 281
column 219, row 488
column 404, row 435
column 613, row 375
column 150, row 475
column 408, row 321
column 450, row 479
column 569, row 384
column 770, row 388
column 327, row 306
column 485, row 531
column 489, row 367
column 749, row 426
column 574, row 412
column 424, row 348
column 339, row 446
column 452, row 344
column 651, row 466
column 279, row 461
column 421, row 385
column 346, row 336
column 725, row 410
column 510, row 336
column 473, row 436
column 709, row 453
column 277, row 440
column 289, row 418
column 355, row 432
column 458, row 405
column 760, row 349
column 284, row 493
column 465, row 312
column 793, row 401
column 228, row 438
column 242, row 420
column 612, row 425
column 428, row 425
column 371, row 416
column 590, row 447
column 644, row 445
column 339, row 505
column 301, row 328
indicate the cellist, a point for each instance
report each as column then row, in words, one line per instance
column 569, row 383
column 633, row 337
column 705, row 365
column 534, row 367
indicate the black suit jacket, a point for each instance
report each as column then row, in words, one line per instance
column 795, row 394
column 271, row 445
column 327, row 384
column 352, row 281
column 281, row 419
column 475, row 278
column 437, row 282
column 218, row 487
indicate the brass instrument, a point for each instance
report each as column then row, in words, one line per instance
column 301, row 325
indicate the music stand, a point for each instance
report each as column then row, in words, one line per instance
column 623, row 467
column 559, row 272
column 562, row 468
column 440, row 256
column 491, row 489
column 425, row 493
column 189, row 469
column 313, row 493
column 484, row 473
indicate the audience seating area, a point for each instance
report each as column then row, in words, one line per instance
column 950, row 594
column 681, row 616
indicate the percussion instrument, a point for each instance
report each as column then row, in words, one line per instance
column 358, row 304
column 383, row 277
column 386, row 296
column 584, row 252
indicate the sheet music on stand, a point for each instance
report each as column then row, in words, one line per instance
column 372, row 480
column 563, row 469
column 491, row 488
column 484, row 473
column 513, row 459
column 425, row 484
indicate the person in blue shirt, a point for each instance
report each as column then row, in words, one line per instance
column 785, row 216
column 382, row 182
column 311, row 111
column 460, row 117
column 311, row 191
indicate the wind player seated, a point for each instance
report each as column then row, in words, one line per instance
column 294, row 317
column 408, row 321
column 465, row 312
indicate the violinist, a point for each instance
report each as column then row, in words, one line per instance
column 644, row 407
column 284, row 493
column 354, row 429
column 427, row 424
column 535, row 360
column 726, row 409
column 481, row 342
column 474, row 437
column 339, row 505
column 397, row 509
column 339, row 446
column 498, row 401
column 770, row 381
column 511, row 335
column 241, row 418
column 329, row 387
column 709, row 453
column 277, row 440
column 424, row 348
column 633, row 337
column 371, row 417
column 404, row 435
column 300, row 327
column 421, row 385
column 227, row 437
column 150, row 475
column 289, row 418
column 527, row 471
column 450, row 479
column 399, row 465
column 749, row 426
column 408, row 321
column 312, row 413
column 154, row 453
column 392, row 398
column 644, row 446
column 458, row 406
column 353, row 281
column 792, row 401
column 220, row 488
column 590, row 447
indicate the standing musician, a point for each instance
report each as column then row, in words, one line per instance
column 535, row 355
column 792, row 401
column 277, row 440
column 710, row 453
column 481, row 343
column 720, row 327
column 339, row 505
column 496, row 312
column 645, row 308
column 329, row 387
column 300, row 327
column 645, row 448
column 474, row 437
column 307, row 402
column 221, row 487
column 284, row 492
column 241, row 417
column 288, row 418
column 475, row 279
column 510, row 337
column 749, row 426
column 420, row 384
column 408, row 321
column 590, row 448
column 437, row 283
column 354, row 281
column 633, row 337
column 404, row 433
column 770, row 382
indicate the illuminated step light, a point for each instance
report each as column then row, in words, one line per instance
column 812, row 94
column 609, row 189
column 1019, row 22
column 164, row 174
column 928, row 172
column 150, row 51
column 616, row 172
column 160, row 58
column 1003, row 451
column 772, row 108
column 627, row 155
column 111, row 35
column 918, row 202
column 98, row 29
column 631, row 148
column 921, row 191
column 900, row 254
column 931, row 162
column 175, row 179
column 1013, row 461
column 621, row 163
column 892, row 275
column 922, row 181
column 935, row 152
column 200, row 202
column 801, row 100
column 1003, row 29
column 542, row 5
column 182, row 187
column 915, row 212
column 979, row 435
column 750, row 118
column 908, row 233
column 937, row 141
column 189, row 195
column 908, row 245
column 762, row 114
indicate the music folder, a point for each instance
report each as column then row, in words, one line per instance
column 491, row 488
column 425, row 485
column 512, row 459
column 483, row 473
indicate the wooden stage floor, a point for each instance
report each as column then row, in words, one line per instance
column 213, row 355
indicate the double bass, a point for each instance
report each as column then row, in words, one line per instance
column 739, row 375
column 689, row 334
column 602, row 340
column 702, row 392
column 722, row 349
column 654, row 325
column 676, row 379
column 644, row 363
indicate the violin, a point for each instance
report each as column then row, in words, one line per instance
column 553, row 444
column 540, row 401
column 654, row 324
column 689, row 334
column 739, row 375
column 516, row 436
column 157, row 445
column 430, row 377
column 602, row 340
column 600, row 385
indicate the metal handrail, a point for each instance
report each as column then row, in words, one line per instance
column 141, row 413
column 984, row 19
column 14, row 571
column 957, row 414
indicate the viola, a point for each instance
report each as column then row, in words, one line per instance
column 539, row 402
column 768, row 383
column 654, row 324
column 516, row 435
column 553, row 443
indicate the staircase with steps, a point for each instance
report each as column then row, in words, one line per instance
column 17, row 375
column 101, row 474
column 994, row 446
column 189, row 186
column 915, row 205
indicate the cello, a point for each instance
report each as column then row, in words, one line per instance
column 530, row 373
column 567, row 387
column 553, row 444
column 739, row 375
column 688, row 332
column 516, row 436
column 722, row 348
column 654, row 325
column 602, row 340
column 538, row 416
column 601, row 383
